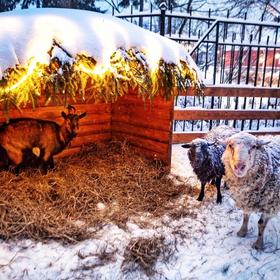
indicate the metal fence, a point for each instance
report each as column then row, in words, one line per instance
column 227, row 51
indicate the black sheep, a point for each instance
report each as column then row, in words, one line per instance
column 205, row 158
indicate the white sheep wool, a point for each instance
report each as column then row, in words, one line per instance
column 259, row 190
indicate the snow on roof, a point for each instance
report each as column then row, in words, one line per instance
column 27, row 34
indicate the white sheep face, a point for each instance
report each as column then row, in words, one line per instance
column 241, row 152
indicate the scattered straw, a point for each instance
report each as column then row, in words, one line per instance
column 143, row 253
column 103, row 183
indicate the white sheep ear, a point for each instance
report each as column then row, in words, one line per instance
column 261, row 142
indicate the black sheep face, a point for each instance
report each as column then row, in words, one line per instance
column 198, row 151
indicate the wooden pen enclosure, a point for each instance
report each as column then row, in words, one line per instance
column 147, row 125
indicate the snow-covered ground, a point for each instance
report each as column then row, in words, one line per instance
column 208, row 246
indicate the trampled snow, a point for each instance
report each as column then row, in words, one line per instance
column 209, row 250
column 27, row 34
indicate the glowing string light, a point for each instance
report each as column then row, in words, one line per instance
column 30, row 71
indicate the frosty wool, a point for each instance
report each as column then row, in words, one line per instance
column 205, row 158
column 252, row 171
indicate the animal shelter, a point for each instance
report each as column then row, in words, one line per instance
column 125, row 83
column 124, row 79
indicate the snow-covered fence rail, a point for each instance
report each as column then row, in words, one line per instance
column 192, row 121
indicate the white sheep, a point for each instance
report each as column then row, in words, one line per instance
column 252, row 172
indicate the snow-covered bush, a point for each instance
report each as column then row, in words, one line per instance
column 205, row 157
column 252, row 171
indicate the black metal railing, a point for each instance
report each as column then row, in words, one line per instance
column 227, row 51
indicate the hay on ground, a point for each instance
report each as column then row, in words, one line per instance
column 103, row 183
column 143, row 253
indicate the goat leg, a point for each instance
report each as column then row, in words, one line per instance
column 45, row 167
column 51, row 163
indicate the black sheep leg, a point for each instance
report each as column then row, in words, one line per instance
column 201, row 194
column 218, row 186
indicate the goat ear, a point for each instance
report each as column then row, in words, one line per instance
column 82, row 115
column 261, row 142
column 63, row 114
column 186, row 146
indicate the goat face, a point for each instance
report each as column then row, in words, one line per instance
column 72, row 122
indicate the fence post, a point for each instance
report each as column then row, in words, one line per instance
column 163, row 8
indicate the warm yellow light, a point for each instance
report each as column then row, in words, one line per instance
column 30, row 70
column 98, row 70
column 84, row 69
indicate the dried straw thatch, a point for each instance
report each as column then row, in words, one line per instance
column 103, row 183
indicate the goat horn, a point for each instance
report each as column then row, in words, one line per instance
column 71, row 109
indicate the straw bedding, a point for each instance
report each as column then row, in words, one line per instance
column 103, row 183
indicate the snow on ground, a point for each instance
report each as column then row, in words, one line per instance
column 210, row 247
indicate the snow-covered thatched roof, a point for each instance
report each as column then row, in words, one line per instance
column 93, row 43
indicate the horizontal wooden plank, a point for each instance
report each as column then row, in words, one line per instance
column 87, row 107
column 229, row 114
column 149, row 122
column 68, row 152
column 186, row 137
column 89, row 119
column 147, row 105
column 74, row 149
column 138, row 112
column 85, row 139
column 140, row 130
column 143, row 142
column 178, row 138
column 165, row 158
column 94, row 129
column 266, row 132
column 53, row 112
column 233, row 90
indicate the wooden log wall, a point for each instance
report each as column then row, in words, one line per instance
column 148, row 126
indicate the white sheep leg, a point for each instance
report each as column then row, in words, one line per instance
column 244, row 228
column 262, row 224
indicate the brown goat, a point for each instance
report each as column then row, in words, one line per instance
column 25, row 134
